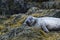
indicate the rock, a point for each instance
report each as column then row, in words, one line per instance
column 33, row 10
column 57, row 14
column 50, row 5
column 10, row 7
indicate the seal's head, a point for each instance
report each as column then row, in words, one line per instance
column 30, row 21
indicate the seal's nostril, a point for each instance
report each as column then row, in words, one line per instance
column 28, row 23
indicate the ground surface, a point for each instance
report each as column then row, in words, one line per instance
column 12, row 28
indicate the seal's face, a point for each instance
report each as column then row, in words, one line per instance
column 30, row 21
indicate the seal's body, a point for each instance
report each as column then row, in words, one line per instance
column 46, row 23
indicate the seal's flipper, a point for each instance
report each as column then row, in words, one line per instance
column 44, row 28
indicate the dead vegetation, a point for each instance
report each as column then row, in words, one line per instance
column 15, row 21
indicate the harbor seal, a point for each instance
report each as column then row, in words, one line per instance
column 46, row 23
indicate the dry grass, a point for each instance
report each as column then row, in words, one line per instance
column 39, row 34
